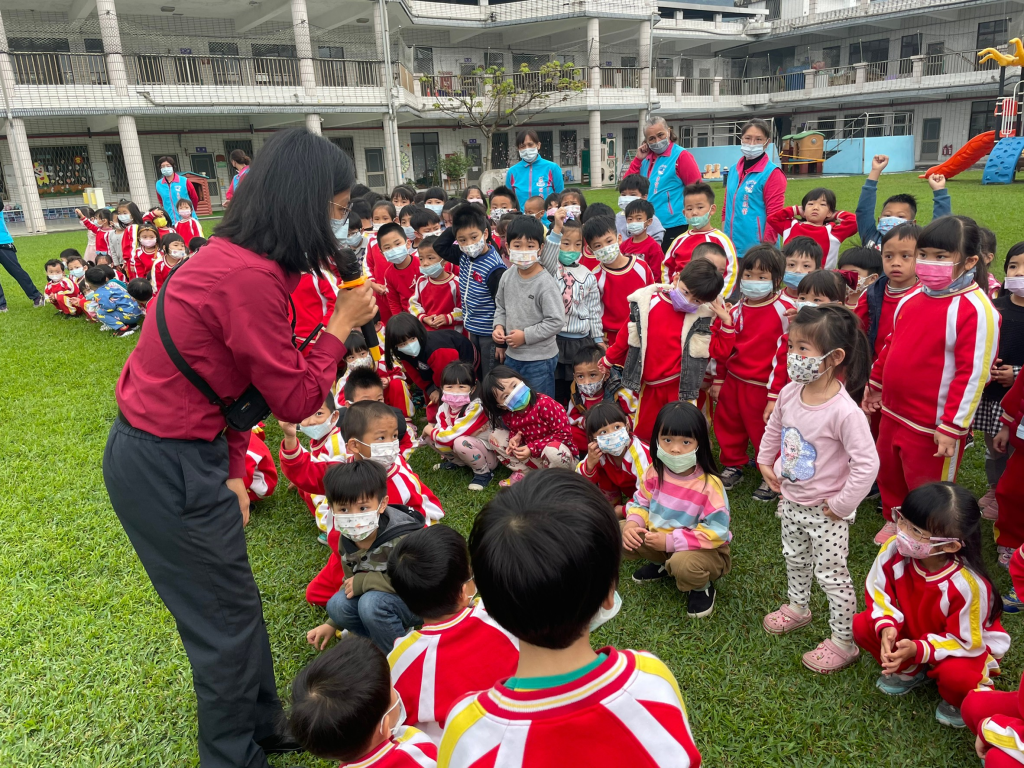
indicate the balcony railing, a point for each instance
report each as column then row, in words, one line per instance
column 460, row 86
column 60, row 69
column 213, row 70
column 339, row 73
column 620, row 77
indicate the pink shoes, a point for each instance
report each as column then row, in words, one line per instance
column 784, row 621
column 829, row 657
column 887, row 532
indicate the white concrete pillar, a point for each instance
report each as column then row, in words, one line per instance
column 918, row 64
column 392, row 153
column 313, row 124
column 133, row 163
column 716, row 89
column 111, row 35
column 594, row 52
column 861, row 73
column 645, row 56
column 28, row 195
column 809, row 75
column 595, row 148
column 304, row 50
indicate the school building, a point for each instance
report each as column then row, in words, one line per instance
column 94, row 91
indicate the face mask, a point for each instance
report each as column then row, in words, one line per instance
column 569, row 258
column 409, row 232
column 755, row 289
column 358, row 526
column 936, row 275
column 124, row 218
column 908, row 546
column 340, row 229
column 529, row 154
column 802, row 304
column 475, row 201
column 523, row 259
column 384, row 453
column 176, row 255
column 160, row 221
column 318, row 431
column 401, row 717
column 635, row 227
column 696, row 222
column 432, row 233
column 410, row 348
column 432, row 270
column 684, row 462
column 167, row 172
column 614, row 443
column 888, row 222
column 792, row 279
column 435, row 207
column 474, row 249
column 455, row 399
column 377, row 226
column 752, row 151
column 607, row 254
column 1015, row 285
column 804, row 369
column 361, row 362
column 518, row 398
column 625, row 200
column 55, row 278
column 680, row 303
column 185, row 214
column 148, row 242
column 550, row 212
column 572, row 211
column 657, row 147
column 397, row 255
column 591, row 388
column 604, row 615
column 78, row 273
column 497, row 213
column 355, row 240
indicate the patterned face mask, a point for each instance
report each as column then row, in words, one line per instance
column 591, row 388
column 615, row 442
column 805, row 369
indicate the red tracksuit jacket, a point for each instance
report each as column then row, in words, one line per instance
column 754, row 349
column 313, row 299
column 104, row 237
column 647, row 249
column 430, row 298
column 140, row 264
column 616, row 286
column 260, row 472
column 400, row 283
column 829, row 236
column 189, row 228
column 59, row 292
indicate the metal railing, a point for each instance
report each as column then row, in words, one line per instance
column 338, row 73
column 457, row 86
column 955, row 63
column 212, row 70
column 59, row 69
column 620, row 77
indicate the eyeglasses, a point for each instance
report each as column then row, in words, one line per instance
column 344, row 208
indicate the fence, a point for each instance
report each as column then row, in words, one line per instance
column 620, row 77
column 456, row 86
column 59, row 68
column 338, row 73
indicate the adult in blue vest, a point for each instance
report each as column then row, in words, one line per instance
column 532, row 175
column 756, row 188
column 669, row 168
column 172, row 187
column 9, row 261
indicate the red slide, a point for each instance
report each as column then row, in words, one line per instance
column 965, row 157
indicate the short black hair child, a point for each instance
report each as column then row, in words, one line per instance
column 404, row 192
column 391, row 228
column 428, row 569
column 594, row 210
column 957, row 234
column 868, row 259
column 347, row 483
column 171, row 237
column 603, row 414
column 700, row 188
column 551, row 201
column 598, row 226
column 470, row 217
column 546, row 595
column 436, row 193
column 451, row 204
column 586, row 354
column 825, row 282
column 504, row 191
column 141, row 290
column 419, row 198
column 766, row 257
column 708, row 249
column 423, row 217
column 525, row 227
column 68, row 254
column 340, row 698
column 817, row 194
column 360, row 379
column 987, row 244
column 907, row 231
column 702, row 280
column 362, row 209
column 683, row 419
column 636, row 206
column 461, row 373
column 373, row 198
column 360, row 416
column 358, row 190
column 635, row 182
column 196, row 243
column 903, row 199
column 97, row 276
column 804, row 246
column 388, row 206
column 54, row 263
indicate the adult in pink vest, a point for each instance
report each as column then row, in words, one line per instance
column 240, row 162
column 172, row 187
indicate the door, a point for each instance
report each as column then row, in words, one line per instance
column 567, row 155
column 425, row 150
column 347, row 145
column 375, row 176
column 910, row 45
column 475, row 155
column 204, row 164
column 930, row 138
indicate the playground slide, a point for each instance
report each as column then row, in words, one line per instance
column 965, row 157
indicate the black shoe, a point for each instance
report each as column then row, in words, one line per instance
column 731, row 476
column 701, row 602
column 39, row 301
column 764, row 493
column 480, row 482
column 277, row 744
column 874, row 493
column 645, row 574
column 447, row 465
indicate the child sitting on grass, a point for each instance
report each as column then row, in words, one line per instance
column 364, row 384
column 594, row 383
column 462, row 432
column 816, row 217
column 459, row 649
column 601, row 708
column 615, row 459
column 115, row 309
column 897, row 209
column 60, row 289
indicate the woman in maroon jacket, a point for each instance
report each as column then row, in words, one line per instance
column 175, row 474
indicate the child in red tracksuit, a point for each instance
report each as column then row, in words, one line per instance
column 313, row 302
column 618, row 274
column 396, row 389
column 639, row 215
column 932, row 611
column 140, row 263
column 747, row 348
column 260, row 471
column 929, row 377
column 1009, row 526
column 616, row 459
column 592, row 384
column 102, row 231
column 173, row 252
column 817, row 218
column 326, row 444
column 435, row 295
column 370, row 430
column 403, row 266
column 60, row 289
column 188, row 226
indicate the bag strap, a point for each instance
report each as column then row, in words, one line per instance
column 172, row 351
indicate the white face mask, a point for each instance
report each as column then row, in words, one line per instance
column 147, row 242
column 607, row 254
column 497, row 213
column 357, row 526
column 805, row 369
column 625, row 200
column 55, row 278
column 752, row 151
column 384, row 453
column 590, row 388
column 361, row 362
column 604, row 615
column 124, row 218
column 185, row 214
column 523, row 259
column 474, row 249
column 176, row 255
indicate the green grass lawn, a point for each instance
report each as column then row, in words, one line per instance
column 92, row 672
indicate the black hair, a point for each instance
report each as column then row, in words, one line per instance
column 427, row 242
column 804, row 246
column 551, row 199
column 196, row 243
column 387, row 205
column 700, row 188
column 107, row 258
column 702, row 280
column 820, row 192
column 492, row 407
column 360, row 415
column 524, row 134
column 399, row 328
column 534, row 198
column 107, row 270
column 947, row 510
column 546, row 556
column 184, row 201
column 458, row 372
column 1015, row 250
column 419, row 198
column 54, row 263
column 428, row 568
column 600, row 415
column 133, row 210
column 470, row 217
column 833, row 326
column 564, row 194
column 636, row 206
column 70, row 254
column 408, row 210
column 340, row 698
column 504, row 191
column 683, row 419
column 436, row 192
column 423, row 217
column 466, row 191
column 239, row 156
column 329, row 402
column 167, row 159
column 348, row 482
column 88, row 212
column 594, row 210
column 296, row 175
column 824, row 282
column 355, row 342
column 869, row 259
column 96, row 276
column 907, row 231
column 636, row 181
column 525, row 226
column 757, row 122
column 359, row 189
column 361, row 208
column 391, row 228
column 404, row 191
column 598, row 227
column 987, row 239
column 104, row 214
column 359, row 379
column 768, row 258
column 904, row 199
column 586, row 354
column 451, row 204
column 703, row 249
column 372, row 198
column 140, row 289
column 956, row 234
column 171, row 237
column 572, row 224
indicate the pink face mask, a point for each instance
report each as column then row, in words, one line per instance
column 455, row 400
column 908, row 546
column 936, row 275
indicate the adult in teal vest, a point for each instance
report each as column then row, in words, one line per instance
column 172, row 187
column 756, row 188
column 669, row 168
column 532, row 175
column 9, row 261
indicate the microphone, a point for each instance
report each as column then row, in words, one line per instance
column 351, row 273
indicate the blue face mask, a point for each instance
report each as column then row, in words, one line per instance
column 519, row 398
column 432, row 270
column 888, row 222
column 409, row 232
column 317, row 431
column 529, row 154
column 340, row 227
column 435, row 207
column 397, row 255
column 755, row 289
column 354, row 240
column 167, row 172
column 696, row 222
column 410, row 348
column 792, row 279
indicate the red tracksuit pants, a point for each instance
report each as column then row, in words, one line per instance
column 739, row 420
column 1009, row 528
column 653, row 397
column 907, row 460
column 956, row 676
column 980, row 705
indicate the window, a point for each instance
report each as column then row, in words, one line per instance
column 533, row 61
column 347, row 145
column 223, row 48
column 375, row 175
column 876, row 125
column 275, row 64
column 230, row 145
column 266, row 51
column 827, row 126
column 685, row 135
column 425, row 150
column 499, row 151
column 830, row 56
column 930, row 139
column 226, row 67
column 115, row 167
column 901, row 124
column 910, row 45
column 664, row 68
column 934, row 62
column 567, row 154
column 629, row 139
column 423, row 61
column 39, row 44
column 853, row 126
column 547, row 148
column 37, row 61
column 628, row 61
column 93, row 45
column 330, row 52
column 493, row 59
column 62, row 170
column 991, row 34
column 875, row 53
column 983, row 118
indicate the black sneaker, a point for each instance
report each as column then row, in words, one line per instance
column 645, row 574
column 447, row 465
column 276, row 744
column 39, row 301
column 874, row 493
column 481, row 481
column 764, row 493
column 701, row 602
column 731, row 476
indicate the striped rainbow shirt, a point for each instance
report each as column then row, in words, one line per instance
column 693, row 509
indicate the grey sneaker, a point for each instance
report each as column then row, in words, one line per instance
column 764, row 493
column 39, row 301
column 949, row 715
column 731, row 476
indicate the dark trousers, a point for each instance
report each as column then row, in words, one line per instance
column 9, row 261
column 186, row 528
column 671, row 233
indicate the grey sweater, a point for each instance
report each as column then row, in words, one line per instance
column 532, row 305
